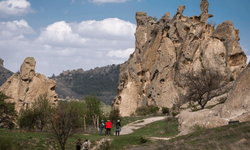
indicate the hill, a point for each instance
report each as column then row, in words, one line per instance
column 77, row 83
column 4, row 75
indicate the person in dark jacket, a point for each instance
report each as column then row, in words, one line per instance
column 118, row 128
column 78, row 144
column 102, row 126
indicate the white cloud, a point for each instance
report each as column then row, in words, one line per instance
column 121, row 53
column 14, row 8
column 62, row 45
column 15, row 28
column 110, row 33
column 108, row 1
column 109, row 28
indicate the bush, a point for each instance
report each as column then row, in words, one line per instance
column 27, row 119
column 165, row 110
column 115, row 115
column 142, row 111
column 7, row 112
column 175, row 113
column 143, row 140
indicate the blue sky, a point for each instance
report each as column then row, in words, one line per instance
column 71, row 34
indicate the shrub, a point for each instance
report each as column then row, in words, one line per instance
column 142, row 111
column 115, row 115
column 27, row 119
column 198, row 128
column 143, row 140
column 175, row 113
column 7, row 112
column 165, row 110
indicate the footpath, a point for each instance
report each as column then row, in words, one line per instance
column 128, row 129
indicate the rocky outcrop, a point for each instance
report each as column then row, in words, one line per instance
column 236, row 108
column 168, row 49
column 24, row 87
column 1, row 62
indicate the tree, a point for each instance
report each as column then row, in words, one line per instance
column 201, row 84
column 115, row 115
column 7, row 112
column 42, row 107
column 93, row 106
column 64, row 121
column 38, row 116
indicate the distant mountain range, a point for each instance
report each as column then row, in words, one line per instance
column 78, row 83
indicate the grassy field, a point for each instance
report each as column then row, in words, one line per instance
column 44, row 141
column 236, row 136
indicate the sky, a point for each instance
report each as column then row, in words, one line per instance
column 72, row 34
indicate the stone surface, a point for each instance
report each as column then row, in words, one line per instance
column 236, row 108
column 24, row 87
column 238, row 102
column 168, row 49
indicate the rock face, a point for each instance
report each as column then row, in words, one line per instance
column 236, row 108
column 24, row 87
column 168, row 49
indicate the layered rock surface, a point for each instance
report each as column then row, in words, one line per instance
column 168, row 49
column 24, row 87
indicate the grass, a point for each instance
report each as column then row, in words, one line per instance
column 155, row 129
column 224, row 138
column 235, row 136
column 44, row 141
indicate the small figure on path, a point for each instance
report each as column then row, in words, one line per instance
column 108, row 126
column 102, row 126
column 118, row 128
column 85, row 145
column 78, row 144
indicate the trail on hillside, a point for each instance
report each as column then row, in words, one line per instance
column 127, row 129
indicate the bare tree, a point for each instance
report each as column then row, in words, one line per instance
column 65, row 122
column 201, row 84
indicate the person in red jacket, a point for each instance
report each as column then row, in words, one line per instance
column 108, row 128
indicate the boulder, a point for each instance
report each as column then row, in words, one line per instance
column 24, row 87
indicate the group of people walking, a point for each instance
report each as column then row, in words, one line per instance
column 108, row 126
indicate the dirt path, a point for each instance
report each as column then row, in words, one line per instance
column 127, row 129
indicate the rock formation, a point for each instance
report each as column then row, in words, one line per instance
column 168, row 49
column 236, row 108
column 24, row 87
column 1, row 62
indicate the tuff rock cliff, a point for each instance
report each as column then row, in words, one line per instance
column 168, row 49
column 24, row 87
